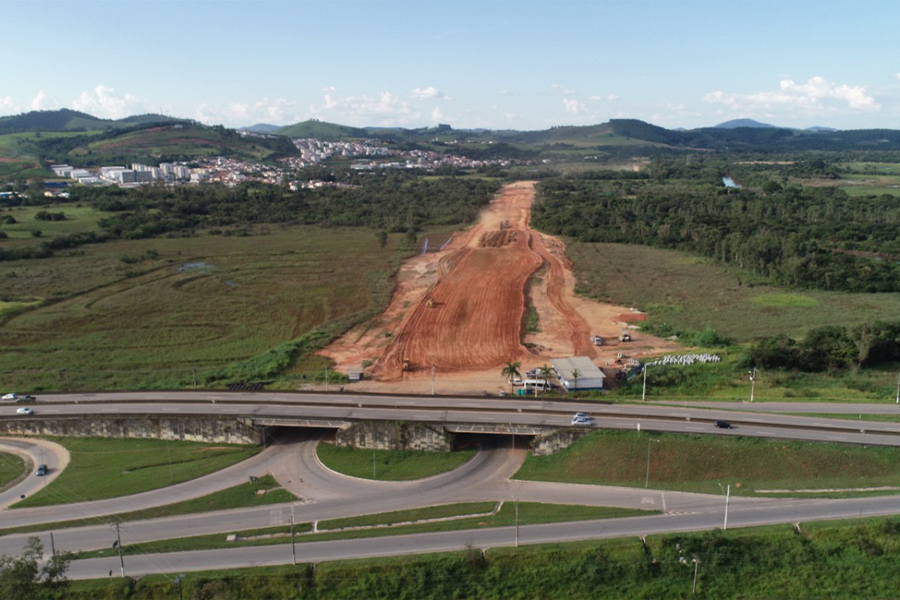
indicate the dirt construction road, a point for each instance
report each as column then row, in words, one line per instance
column 462, row 310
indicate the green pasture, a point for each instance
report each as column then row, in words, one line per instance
column 390, row 465
column 78, row 219
column 692, row 293
column 162, row 312
column 699, row 463
column 11, row 467
column 158, row 141
column 869, row 168
column 109, row 468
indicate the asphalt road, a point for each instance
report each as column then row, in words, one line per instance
column 35, row 452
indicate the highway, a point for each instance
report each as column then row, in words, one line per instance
column 326, row 495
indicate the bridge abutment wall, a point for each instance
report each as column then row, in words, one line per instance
column 392, row 435
column 188, row 428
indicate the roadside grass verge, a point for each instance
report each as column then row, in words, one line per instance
column 109, row 468
column 529, row 513
column 244, row 495
column 856, row 417
column 11, row 468
column 843, row 559
column 390, row 465
column 697, row 463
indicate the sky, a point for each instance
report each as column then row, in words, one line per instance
column 497, row 64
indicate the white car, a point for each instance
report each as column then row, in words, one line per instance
column 24, row 410
column 11, row 396
column 582, row 419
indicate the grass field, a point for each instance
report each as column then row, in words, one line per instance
column 834, row 560
column 78, row 219
column 390, row 465
column 11, row 466
column 157, row 313
column 108, row 468
column 692, row 293
column 239, row 496
column 692, row 463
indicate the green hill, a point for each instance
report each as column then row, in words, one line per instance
column 72, row 120
column 322, row 131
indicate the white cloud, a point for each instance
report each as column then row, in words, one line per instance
column 8, row 106
column 437, row 115
column 558, row 89
column 278, row 111
column 816, row 96
column 429, row 92
column 106, row 103
column 573, row 106
column 39, row 102
column 608, row 98
column 384, row 109
column 329, row 88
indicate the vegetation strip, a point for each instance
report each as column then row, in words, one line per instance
column 390, row 465
column 240, row 496
column 528, row 514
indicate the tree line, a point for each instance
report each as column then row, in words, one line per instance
column 808, row 237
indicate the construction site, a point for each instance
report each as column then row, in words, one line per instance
column 458, row 315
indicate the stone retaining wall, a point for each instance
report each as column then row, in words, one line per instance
column 195, row 429
column 392, row 435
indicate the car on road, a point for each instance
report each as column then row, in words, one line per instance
column 24, row 410
column 26, row 398
column 41, row 470
column 581, row 418
column 10, row 396
column 724, row 425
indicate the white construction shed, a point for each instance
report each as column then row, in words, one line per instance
column 589, row 376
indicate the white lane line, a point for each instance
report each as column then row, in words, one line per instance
column 171, row 410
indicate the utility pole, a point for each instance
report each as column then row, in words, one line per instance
column 194, row 371
column 326, row 379
column 432, row 380
column 516, row 503
column 898, row 388
column 119, row 546
column 374, row 471
column 752, row 382
column 727, row 495
column 696, row 566
column 293, row 545
column 52, row 545
column 644, row 392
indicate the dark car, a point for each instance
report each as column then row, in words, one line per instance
column 41, row 470
column 724, row 425
column 25, row 398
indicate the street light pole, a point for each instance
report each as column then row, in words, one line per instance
column 516, row 503
column 644, row 391
column 727, row 496
column 898, row 388
column 694, row 589
column 752, row 382
column 432, row 380
column 647, row 479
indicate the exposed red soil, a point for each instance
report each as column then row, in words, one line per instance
column 632, row 317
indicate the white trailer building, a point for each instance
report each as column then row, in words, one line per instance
column 578, row 373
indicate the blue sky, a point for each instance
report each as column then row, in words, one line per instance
column 499, row 64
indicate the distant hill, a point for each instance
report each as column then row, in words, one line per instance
column 321, row 130
column 735, row 123
column 261, row 128
column 65, row 119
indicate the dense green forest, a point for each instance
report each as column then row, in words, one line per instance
column 795, row 235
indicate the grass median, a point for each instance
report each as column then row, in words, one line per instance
column 260, row 493
column 450, row 517
column 103, row 468
column 390, row 465
column 706, row 464
column 11, row 467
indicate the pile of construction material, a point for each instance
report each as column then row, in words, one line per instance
column 685, row 359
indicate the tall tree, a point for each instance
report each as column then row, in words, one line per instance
column 511, row 372
column 23, row 579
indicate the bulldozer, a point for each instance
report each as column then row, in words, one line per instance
column 625, row 337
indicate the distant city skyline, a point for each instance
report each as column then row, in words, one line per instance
column 497, row 64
